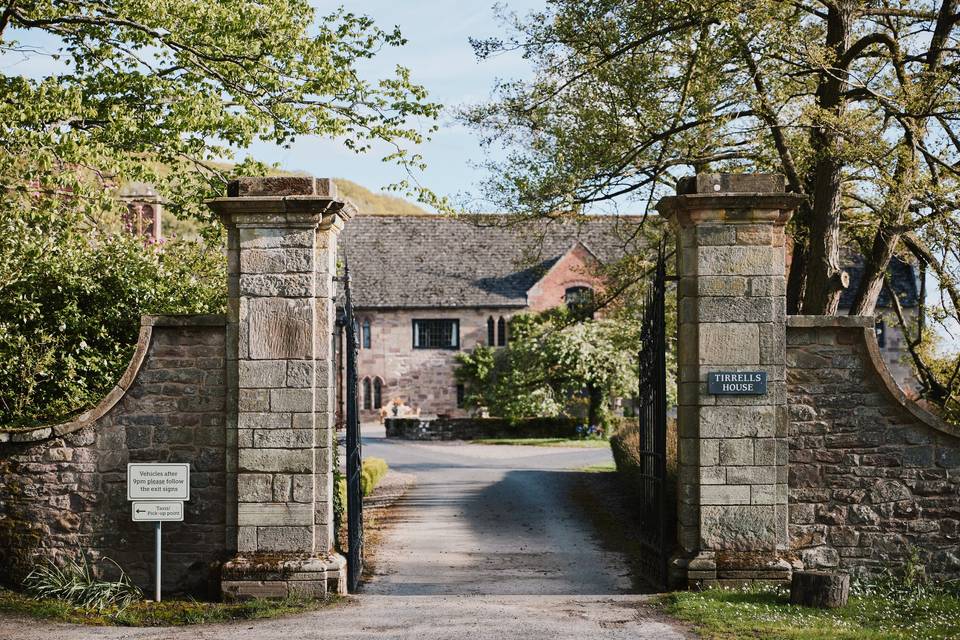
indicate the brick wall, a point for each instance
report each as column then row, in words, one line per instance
column 873, row 476
column 65, row 486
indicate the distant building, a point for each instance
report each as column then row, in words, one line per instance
column 144, row 210
column 426, row 287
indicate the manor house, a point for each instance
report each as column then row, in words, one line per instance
column 426, row 287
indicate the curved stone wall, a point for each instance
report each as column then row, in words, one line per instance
column 874, row 477
column 65, row 485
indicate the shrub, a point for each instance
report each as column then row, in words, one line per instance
column 373, row 471
column 76, row 583
column 72, row 298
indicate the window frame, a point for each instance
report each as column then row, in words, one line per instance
column 366, row 333
column 456, row 333
column 491, row 332
column 366, row 399
column 377, row 393
column 501, row 332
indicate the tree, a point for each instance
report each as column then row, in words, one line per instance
column 552, row 361
column 158, row 91
column 854, row 102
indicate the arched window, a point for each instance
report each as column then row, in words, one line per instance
column 366, row 333
column 502, row 332
column 366, row 393
column 377, row 393
column 490, row 331
column 579, row 300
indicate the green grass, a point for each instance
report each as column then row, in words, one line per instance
column 599, row 468
column 545, row 442
column 893, row 612
column 172, row 612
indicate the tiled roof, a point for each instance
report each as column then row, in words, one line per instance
column 437, row 261
column 902, row 276
column 432, row 261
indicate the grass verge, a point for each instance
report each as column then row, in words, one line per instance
column 545, row 442
column 895, row 612
column 152, row 614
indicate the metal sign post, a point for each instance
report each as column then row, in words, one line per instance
column 156, row 556
column 156, row 492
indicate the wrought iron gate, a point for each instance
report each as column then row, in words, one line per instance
column 656, row 526
column 354, row 457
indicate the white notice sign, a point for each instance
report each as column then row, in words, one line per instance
column 158, row 481
column 157, row 511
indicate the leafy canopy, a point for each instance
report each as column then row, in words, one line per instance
column 157, row 91
column 160, row 92
column 856, row 103
column 551, row 360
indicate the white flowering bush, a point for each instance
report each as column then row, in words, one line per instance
column 554, row 362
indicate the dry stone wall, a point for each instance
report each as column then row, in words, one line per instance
column 64, row 487
column 874, row 478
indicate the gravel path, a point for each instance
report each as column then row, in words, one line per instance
column 485, row 544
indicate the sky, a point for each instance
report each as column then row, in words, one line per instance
column 440, row 57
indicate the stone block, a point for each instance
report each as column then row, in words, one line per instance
column 737, row 422
column 254, row 487
column 725, row 494
column 273, row 514
column 728, row 343
column 716, row 234
column 253, row 400
column 739, row 261
column 280, row 260
column 737, row 451
column 284, row 285
column 275, row 460
column 261, row 420
column 738, row 527
column 709, row 452
column 300, row 374
column 771, row 286
column 756, row 234
column 752, row 475
column 261, row 374
column 292, row 400
column 275, row 237
column 721, row 286
column 279, row 328
column 713, row 475
column 290, row 539
column 744, row 310
column 773, row 343
column 303, row 487
column 283, row 438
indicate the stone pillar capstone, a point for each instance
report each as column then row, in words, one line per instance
column 281, row 249
column 732, row 448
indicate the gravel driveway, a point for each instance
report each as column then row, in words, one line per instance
column 485, row 545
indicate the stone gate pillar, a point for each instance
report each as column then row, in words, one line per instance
column 281, row 248
column 732, row 511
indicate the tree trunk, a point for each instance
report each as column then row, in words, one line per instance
column 823, row 286
column 796, row 279
column 821, row 589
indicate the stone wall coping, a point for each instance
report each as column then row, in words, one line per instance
column 90, row 416
column 864, row 326
column 810, row 322
column 184, row 320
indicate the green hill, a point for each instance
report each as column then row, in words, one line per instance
column 370, row 203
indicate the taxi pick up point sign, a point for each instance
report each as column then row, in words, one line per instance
column 157, row 491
